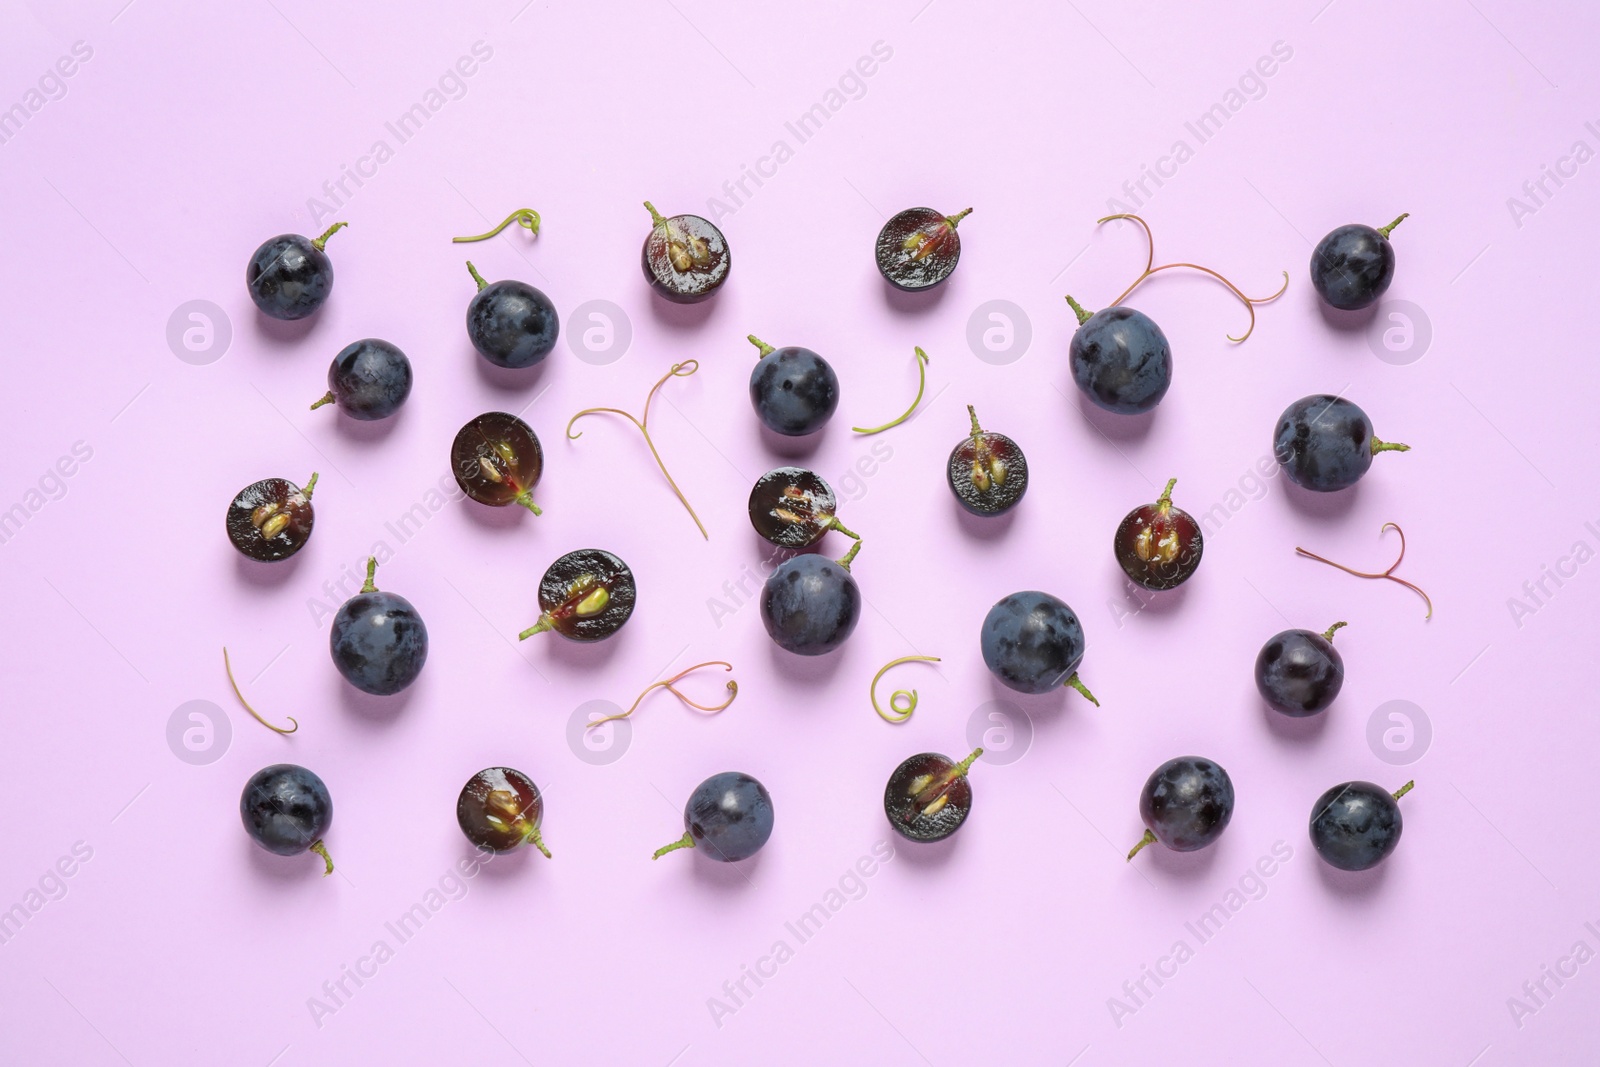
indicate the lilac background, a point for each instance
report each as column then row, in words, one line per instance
column 193, row 133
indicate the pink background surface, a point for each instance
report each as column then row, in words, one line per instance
column 192, row 134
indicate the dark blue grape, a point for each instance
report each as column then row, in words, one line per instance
column 1120, row 359
column 793, row 389
column 1325, row 443
column 1300, row 672
column 810, row 603
column 1033, row 643
column 728, row 817
column 286, row 810
column 1186, row 804
column 290, row 276
column 511, row 323
column 1353, row 265
column 368, row 380
column 1355, row 825
column 378, row 640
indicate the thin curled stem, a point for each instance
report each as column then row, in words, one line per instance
column 679, row 370
column 536, row 839
column 320, row 243
column 1075, row 682
column 849, row 557
column 922, row 384
column 525, row 217
column 1164, row 501
column 1149, row 838
column 669, row 686
column 686, row 841
column 1387, row 230
column 227, row 666
column 1150, row 268
column 1389, row 574
column 833, row 523
column 900, row 712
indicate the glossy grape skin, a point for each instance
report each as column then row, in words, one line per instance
column 497, row 460
column 289, row 277
column 935, row 248
column 929, row 780
column 794, row 391
column 271, row 520
column 1187, row 803
column 1352, row 266
column 1121, row 360
column 286, row 809
column 500, row 810
column 1323, row 443
column 728, row 817
column 1356, row 825
column 810, row 605
column 1158, row 545
column 793, row 507
column 685, row 258
column 1032, row 642
column 585, row 596
column 1299, row 672
column 512, row 324
column 987, row 471
column 378, row 641
column 369, row 380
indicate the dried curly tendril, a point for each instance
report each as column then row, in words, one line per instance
column 1389, row 573
column 1150, row 268
column 679, row 370
column 669, row 684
